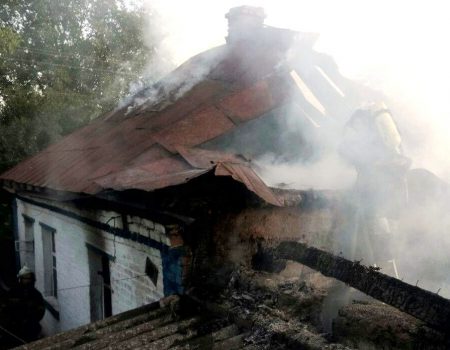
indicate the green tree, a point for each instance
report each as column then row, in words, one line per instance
column 63, row 63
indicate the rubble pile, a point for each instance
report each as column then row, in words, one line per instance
column 289, row 307
column 280, row 313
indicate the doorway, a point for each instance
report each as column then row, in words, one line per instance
column 100, row 293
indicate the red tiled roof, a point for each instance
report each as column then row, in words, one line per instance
column 158, row 143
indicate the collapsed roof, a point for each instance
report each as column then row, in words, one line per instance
column 267, row 92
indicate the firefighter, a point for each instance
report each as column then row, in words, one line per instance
column 25, row 306
column 373, row 145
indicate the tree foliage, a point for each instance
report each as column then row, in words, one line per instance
column 63, row 63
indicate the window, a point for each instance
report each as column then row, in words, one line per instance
column 151, row 271
column 54, row 276
column 26, row 246
column 49, row 255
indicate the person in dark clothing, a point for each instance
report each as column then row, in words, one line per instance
column 25, row 307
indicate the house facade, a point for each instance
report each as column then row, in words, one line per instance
column 91, row 264
column 125, row 210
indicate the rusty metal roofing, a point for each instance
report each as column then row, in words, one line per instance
column 156, row 140
column 247, row 176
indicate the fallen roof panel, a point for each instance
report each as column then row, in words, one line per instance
column 248, row 177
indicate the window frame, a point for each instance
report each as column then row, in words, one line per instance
column 50, row 268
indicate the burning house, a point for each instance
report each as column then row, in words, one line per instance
column 166, row 196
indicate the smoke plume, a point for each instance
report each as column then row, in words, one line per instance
column 397, row 48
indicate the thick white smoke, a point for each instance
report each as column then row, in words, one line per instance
column 397, row 47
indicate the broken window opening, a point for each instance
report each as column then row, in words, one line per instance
column 151, row 271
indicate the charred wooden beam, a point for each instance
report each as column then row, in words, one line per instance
column 422, row 304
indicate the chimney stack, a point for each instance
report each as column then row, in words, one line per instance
column 244, row 23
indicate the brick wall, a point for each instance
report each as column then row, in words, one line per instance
column 236, row 234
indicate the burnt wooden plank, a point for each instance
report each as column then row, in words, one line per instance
column 415, row 301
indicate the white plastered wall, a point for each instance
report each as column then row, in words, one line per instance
column 127, row 264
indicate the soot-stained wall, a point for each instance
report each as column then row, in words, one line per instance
column 130, row 243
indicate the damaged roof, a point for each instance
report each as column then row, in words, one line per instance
column 215, row 113
column 160, row 325
column 238, row 321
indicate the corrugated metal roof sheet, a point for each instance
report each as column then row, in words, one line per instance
column 140, row 152
column 158, row 143
column 251, row 102
column 196, row 128
column 206, row 159
column 248, row 177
